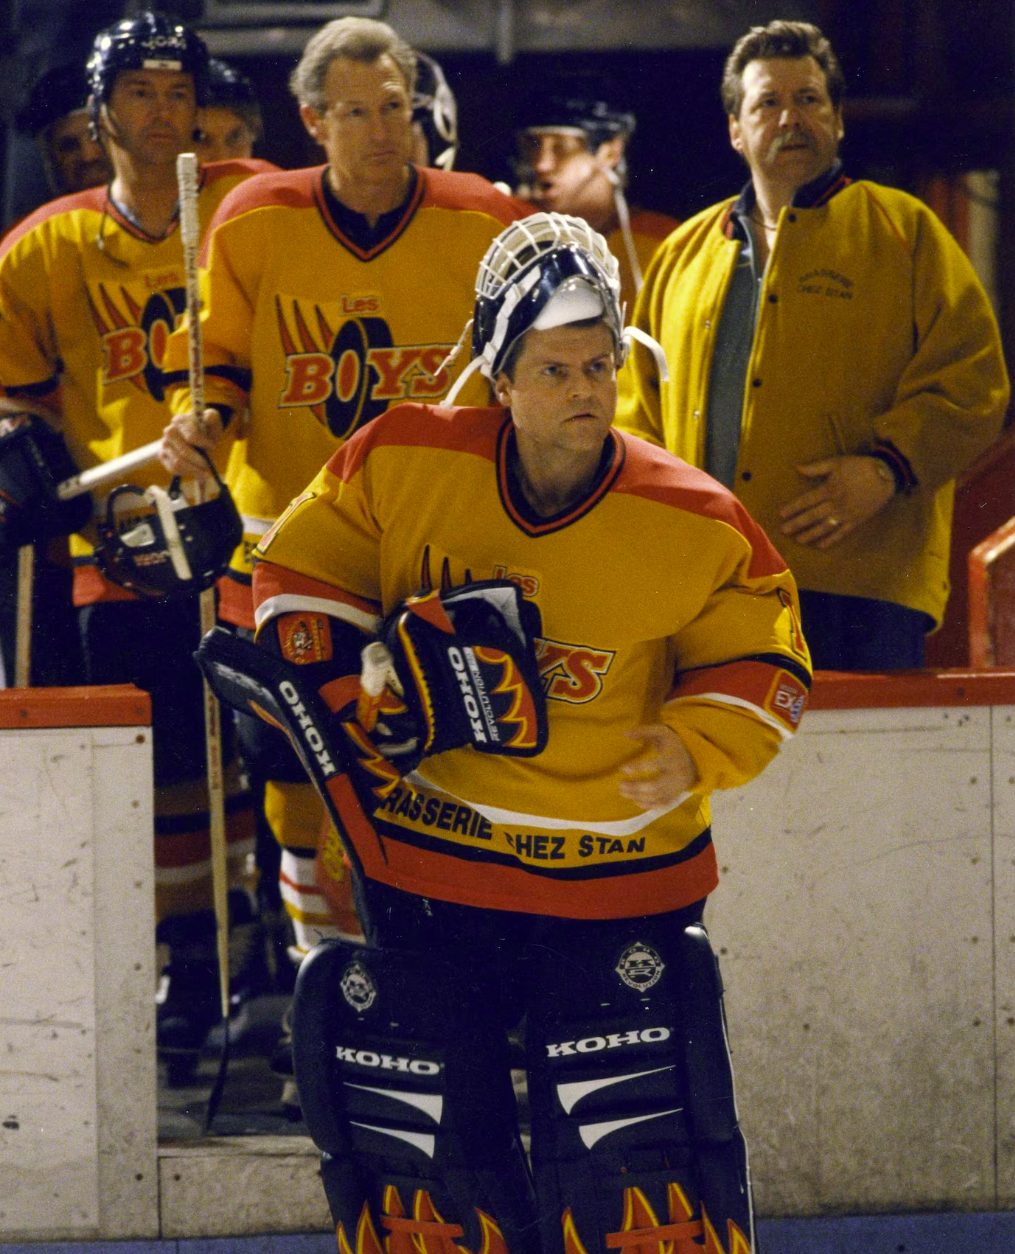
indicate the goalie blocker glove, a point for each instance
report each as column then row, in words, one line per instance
column 33, row 461
column 463, row 664
column 447, row 670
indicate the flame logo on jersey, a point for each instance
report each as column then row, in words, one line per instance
column 572, row 672
column 642, row 1233
column 134, row 336
column 522, row 710
column 372, row 760
column 423, row 1232
column 348, row 377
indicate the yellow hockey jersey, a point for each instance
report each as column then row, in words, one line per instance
column 316, row 332
column 87, row 305
column 661, row 600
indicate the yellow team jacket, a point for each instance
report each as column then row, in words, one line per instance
column 316, row 335
column 872, row 332
column 660, row 599
column 85, row 327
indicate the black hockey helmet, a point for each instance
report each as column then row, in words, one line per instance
column 61, row 90
column 434, row 107
column 589, row 113
column 229, row 88
column 155, row 543
column 150, row 41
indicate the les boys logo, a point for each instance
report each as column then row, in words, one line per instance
column 349, row 376
column 572, row 672
column 134, row 335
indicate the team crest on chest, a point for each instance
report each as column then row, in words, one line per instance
column 342, row 363
column 134, row 327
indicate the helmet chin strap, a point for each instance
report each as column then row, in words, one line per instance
column 653, row 346
column 624, row 218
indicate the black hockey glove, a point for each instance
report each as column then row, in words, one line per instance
column 453, row 669
column 159, row 545
column 33, row 461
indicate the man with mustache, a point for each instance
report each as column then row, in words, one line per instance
column 833, row 359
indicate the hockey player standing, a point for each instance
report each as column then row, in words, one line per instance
column 91, row 285
column 501, row 879
column 572, row 158
column 332, row 293
column 229, row 124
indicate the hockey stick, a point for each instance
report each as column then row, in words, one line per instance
column 186, row 177
column 254, row 681
column 108, row 472
column 23, row 632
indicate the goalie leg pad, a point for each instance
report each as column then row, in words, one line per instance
column 635, row 1145
column 404, row 1077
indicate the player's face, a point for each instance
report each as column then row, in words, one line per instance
column 788, row 130
column 564, row 393
column 76, row 160
column 151, row 115
column 564, row 176
column 222, row 135
column 366, row 129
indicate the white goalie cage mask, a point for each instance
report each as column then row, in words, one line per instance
column 547, row 270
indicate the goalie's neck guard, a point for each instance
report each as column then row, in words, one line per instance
column 545, row 271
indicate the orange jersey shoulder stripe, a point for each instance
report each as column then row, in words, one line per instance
column 656, row 475
column 464, row 430
column 285, row 189
column 272, row 580
column 452, row 189
column 91, row 199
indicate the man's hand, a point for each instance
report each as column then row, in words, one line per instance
column 852, row 490
column 661, row 771
column 183, row 437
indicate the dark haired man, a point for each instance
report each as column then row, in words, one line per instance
column 56, row 114
column 230, row 121
column 91, row 285
column 834, row 360
column 572, row 158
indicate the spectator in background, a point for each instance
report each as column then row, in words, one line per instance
column 56, row 114
column 572, row 158
column 230, row 124
column 833, row 358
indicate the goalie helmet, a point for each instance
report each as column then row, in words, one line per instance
column 157, row 544
column 547, row 270
column 435, row 109
column 150, row 41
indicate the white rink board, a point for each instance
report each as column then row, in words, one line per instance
column 77, row 1061
column 855, row 928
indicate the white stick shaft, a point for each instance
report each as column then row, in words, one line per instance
column 23, row 634
column 108, row 472
column 186, row 177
